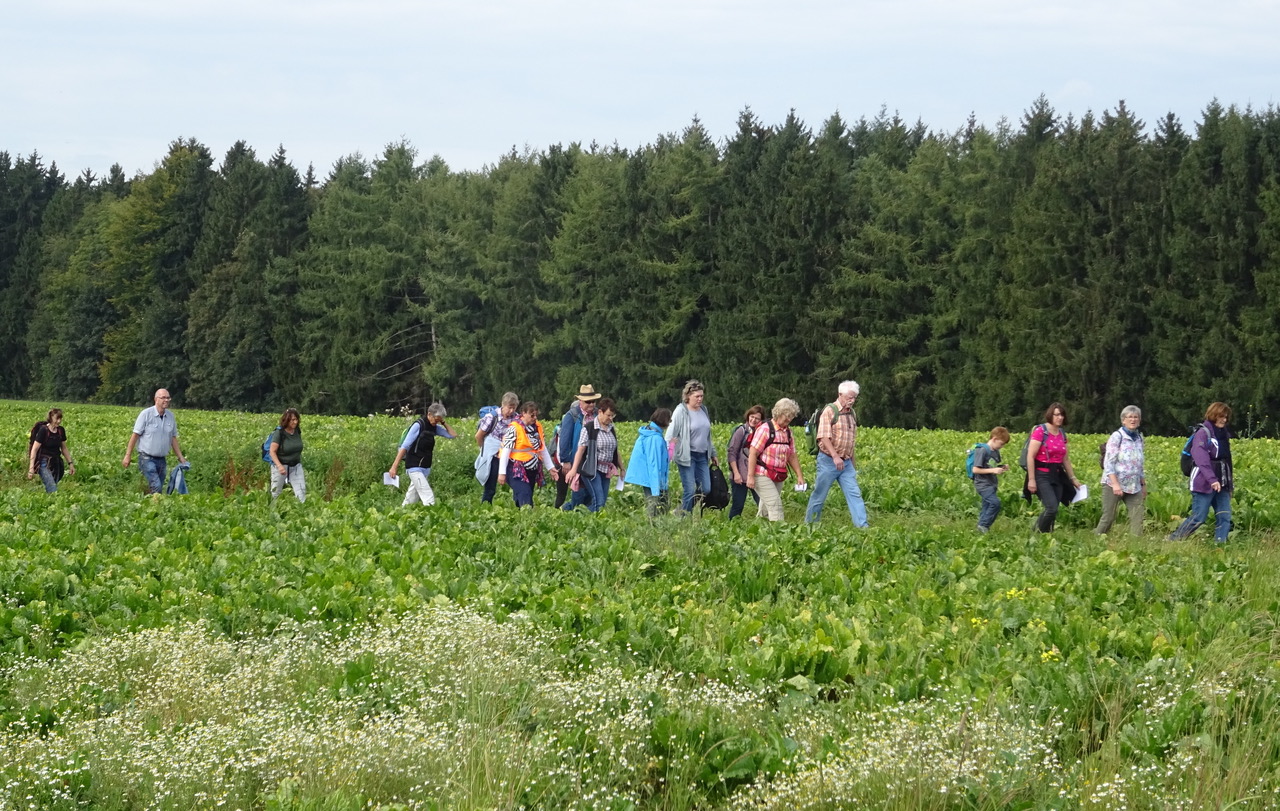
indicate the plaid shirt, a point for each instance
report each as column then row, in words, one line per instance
column 842, row 433
column 773, row 455
column 496, row 425
column 606, row 447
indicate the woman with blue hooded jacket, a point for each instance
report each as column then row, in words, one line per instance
column 650, row 463
column 1212, row 479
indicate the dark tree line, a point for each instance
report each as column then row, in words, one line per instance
column 964, row 279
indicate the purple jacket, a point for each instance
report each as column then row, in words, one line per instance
column 1204, row 452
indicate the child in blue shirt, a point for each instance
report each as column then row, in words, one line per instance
column 986, row 468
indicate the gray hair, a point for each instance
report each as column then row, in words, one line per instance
column 850, row 387
column 785, row 408
column 511, row 399
column 436, row 410
column 1130, row 409
column 689, row 389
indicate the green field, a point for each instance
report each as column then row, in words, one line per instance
column 216, row 651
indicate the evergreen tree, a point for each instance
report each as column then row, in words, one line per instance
column 26, row 189
column 357, row 345
column 526, row 214
column 891, row 280
column 1200, row 347
column 584, row 278
column 450, row 283
column 152, row 238
column 767, row 249
column 229, row 338
column 971, row 364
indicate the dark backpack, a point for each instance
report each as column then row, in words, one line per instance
column 1188, row 464
column 35, row 431
column 718, row 497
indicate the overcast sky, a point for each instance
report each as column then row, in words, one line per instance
column 88, row 83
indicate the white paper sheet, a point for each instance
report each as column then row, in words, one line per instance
column 391, row 481
column 1081, row 494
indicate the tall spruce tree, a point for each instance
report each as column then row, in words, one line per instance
column 358, row 346
column 767, row 249
column 26, row 189
column 152, row 238
column 229, row 338
column 526, row 215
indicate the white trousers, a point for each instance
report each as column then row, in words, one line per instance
column 419, row 489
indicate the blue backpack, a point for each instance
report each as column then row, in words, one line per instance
column 968, row 459
column 487, row 410
column 266, row 446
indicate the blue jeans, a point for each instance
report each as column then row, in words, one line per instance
column 847, row 478
column 46, row 475
column 153, row 470
column 990, row 509
column 694, row 477
column 1200, row 504
column 740, row 498
column 597, row 489
column 579, row 497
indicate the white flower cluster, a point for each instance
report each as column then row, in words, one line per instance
column 436, row 709
column 903, row 755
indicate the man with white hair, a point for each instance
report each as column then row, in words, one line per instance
column 837, row 434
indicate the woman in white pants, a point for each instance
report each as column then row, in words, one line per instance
column 417, row 450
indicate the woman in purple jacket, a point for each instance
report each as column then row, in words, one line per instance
column 739, row 445
column 1211, row 481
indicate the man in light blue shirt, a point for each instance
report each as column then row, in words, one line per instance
column 154, row 433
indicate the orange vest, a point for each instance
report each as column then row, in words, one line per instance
column 523, row 450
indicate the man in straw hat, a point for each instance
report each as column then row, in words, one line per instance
column 582, row 409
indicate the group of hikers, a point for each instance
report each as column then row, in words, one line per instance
column 1206, row 461
column 584, row 459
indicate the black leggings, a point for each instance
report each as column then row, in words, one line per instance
column 1051, row 487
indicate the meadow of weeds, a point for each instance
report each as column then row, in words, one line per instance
column 219, row 651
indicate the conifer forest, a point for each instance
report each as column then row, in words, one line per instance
column 965, row 279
